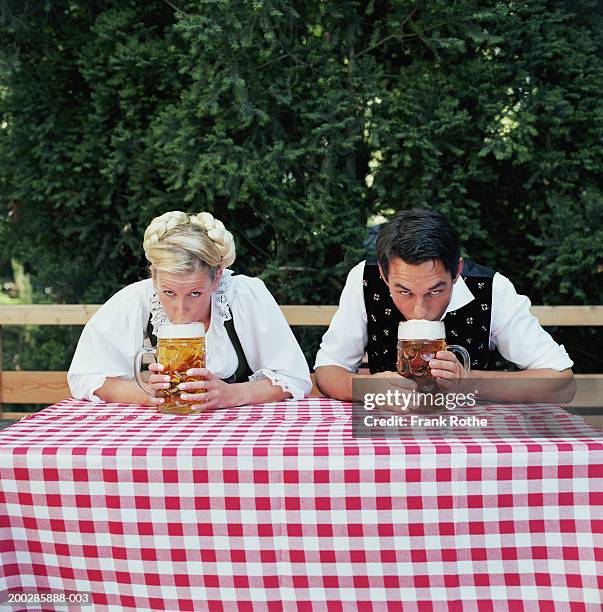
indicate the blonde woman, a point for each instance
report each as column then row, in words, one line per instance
column 252, row 355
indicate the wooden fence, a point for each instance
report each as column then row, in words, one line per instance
column 45, row 387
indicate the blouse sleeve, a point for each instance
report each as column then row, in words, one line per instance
column 269, row 345
column 108, row 343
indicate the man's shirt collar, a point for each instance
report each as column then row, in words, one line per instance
column 461, row 296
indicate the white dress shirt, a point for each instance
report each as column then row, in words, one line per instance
column 514, row 331
column 116, row 331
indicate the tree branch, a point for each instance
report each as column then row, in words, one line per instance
column 389, row 36
column 178, row 10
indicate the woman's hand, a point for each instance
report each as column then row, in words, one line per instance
column 158, row 382
column 211, row 392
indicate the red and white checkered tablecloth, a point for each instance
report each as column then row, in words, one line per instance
column 279, row 507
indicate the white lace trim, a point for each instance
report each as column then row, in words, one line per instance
column 219, row 300
column 221, row 295
column 276, row 379
column 158, row 314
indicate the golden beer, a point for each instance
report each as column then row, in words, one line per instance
column 419, row 341
column 179, row 348
column 413, row 360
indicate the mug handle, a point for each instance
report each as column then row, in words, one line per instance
column 137, row 364
column 464, row 354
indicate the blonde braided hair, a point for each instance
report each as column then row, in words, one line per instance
column 178, row 242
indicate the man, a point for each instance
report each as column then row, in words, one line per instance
column 419, row 274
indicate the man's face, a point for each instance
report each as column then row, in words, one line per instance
column 420, row 291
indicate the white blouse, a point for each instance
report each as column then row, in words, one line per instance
column 116, row 332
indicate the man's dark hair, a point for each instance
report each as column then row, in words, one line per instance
column 418, row 235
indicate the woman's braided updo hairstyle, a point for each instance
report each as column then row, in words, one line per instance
column 181, row 243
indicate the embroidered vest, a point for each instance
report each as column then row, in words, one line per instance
column 468, row 326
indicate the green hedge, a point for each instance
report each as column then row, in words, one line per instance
column 295, row 123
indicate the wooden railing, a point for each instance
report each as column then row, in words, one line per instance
column 48, row 387
column 79, row 314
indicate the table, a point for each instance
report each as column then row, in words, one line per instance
column 278, row 507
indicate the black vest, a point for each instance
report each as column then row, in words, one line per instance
column 468, row 326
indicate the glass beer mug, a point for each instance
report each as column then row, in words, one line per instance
column 179, row 348
column 418, row 342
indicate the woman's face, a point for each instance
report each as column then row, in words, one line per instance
column 186, row 298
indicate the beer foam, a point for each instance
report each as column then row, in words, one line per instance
column 181, row 330
column 421, row 329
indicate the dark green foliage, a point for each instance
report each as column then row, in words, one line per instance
column 39, row 348
column 293, row 123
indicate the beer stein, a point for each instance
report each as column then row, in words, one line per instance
column 179, row 348
column 418, row 342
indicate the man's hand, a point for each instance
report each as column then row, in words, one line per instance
column 336, row 382
column 447, row 369
column 396, row 384
column 396, row 380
